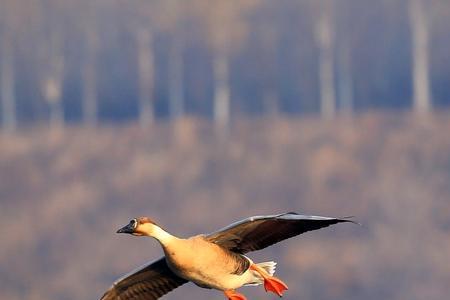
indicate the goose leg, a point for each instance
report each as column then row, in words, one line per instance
column 271, row 283
column 233, row 295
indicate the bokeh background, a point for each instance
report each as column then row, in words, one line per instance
column 199, row 113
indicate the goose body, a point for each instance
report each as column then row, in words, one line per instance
column 208, row 265
column 214, row 261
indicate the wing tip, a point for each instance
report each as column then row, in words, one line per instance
column 339, row 220
column 348, row 219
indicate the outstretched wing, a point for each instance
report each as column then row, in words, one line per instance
column 259, row 232
column 148, row 282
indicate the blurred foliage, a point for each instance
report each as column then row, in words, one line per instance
column 62, row 196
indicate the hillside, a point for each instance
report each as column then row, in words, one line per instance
column 63, row 195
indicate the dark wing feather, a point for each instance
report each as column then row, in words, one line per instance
column 259, row 232
column 148, row 282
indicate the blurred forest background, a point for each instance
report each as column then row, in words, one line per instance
column 198, row 113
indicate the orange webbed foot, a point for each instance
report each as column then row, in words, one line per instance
column 233, row 295
column 275, row 285
column 271, row 283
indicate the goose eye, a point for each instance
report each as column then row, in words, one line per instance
column 133, row 223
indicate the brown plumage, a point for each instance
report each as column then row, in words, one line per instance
column 212, row 261
column 256, row 233
column 148, row 282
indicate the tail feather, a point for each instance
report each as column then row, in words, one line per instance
column 269, row 266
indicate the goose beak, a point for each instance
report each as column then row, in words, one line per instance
column 126, row 229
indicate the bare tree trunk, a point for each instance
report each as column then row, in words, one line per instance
column 89, row 78
column 221, row 91
column 345, row 79
column 176, row 88
column 420, row 48
column 146, row 76
column 270, row 95
column 52, row 94
column 53, row 71
column 8, row 85
column 56, row 115
column 324, row 36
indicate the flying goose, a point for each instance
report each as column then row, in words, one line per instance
column 214, row 260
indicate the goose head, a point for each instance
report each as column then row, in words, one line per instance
column 142, row 226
